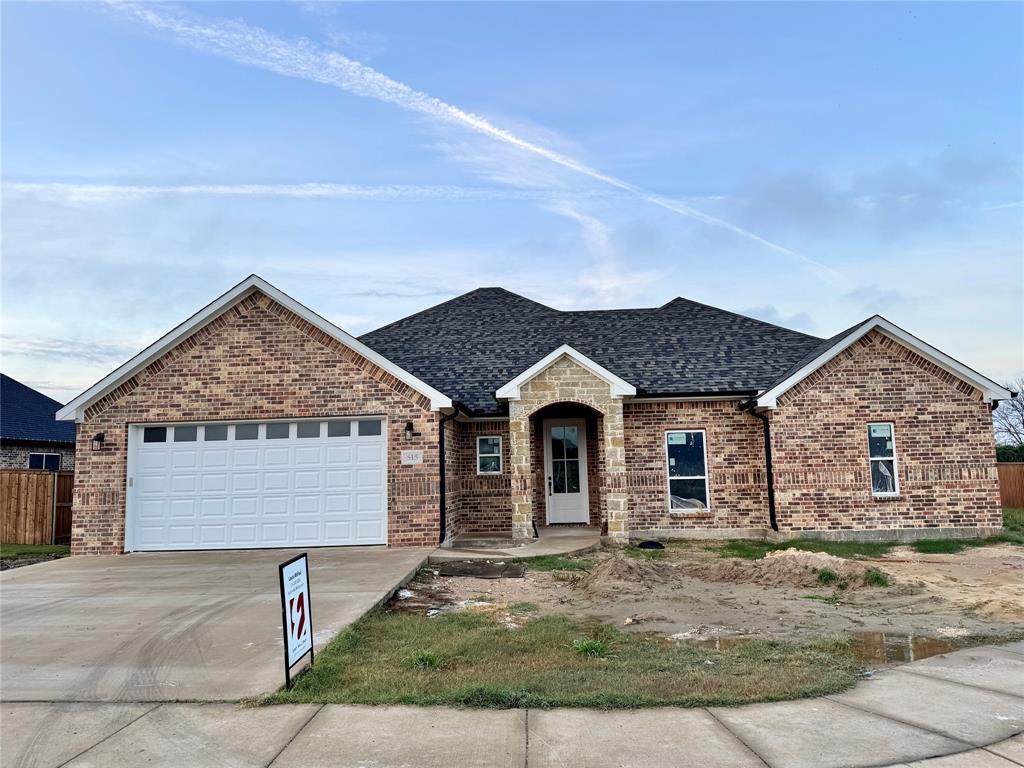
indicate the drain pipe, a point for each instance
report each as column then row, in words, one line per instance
column 441, row 463
column 767, row 428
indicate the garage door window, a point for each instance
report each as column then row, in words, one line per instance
column 369, row 428
column 154, row 435
column 247, row 431
column 339, row 428
column 308, row 429
column 185, row 434
column 278, row 431
column 215, row 432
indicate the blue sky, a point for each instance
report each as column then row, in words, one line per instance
column 810, row 164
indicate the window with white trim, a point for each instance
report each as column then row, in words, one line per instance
column 687, row 459
column 885, row 479
column 488, row 455
column 48, row 461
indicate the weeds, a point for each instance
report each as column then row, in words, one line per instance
column 876, row 578
column 426, row 660
column 556, row 563
column 588, row 646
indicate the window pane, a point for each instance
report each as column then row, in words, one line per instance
column 51, row 462
column 883, row 476
column 571, row 445
column 215, row 432
column 488, row 446
column 489, row 464
column 309, row 429
column 572, row 476
column 367, row 428
column 685, row 454
column 247, row 431
column 880, row 440
column 339, row 428
column 557, row 444
column 185, row 434
column 278, row 431
column 688, row 494
column 558, row 479
column 154, row 435
column 35, row 461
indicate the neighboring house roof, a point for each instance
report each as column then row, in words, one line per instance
column 474, row 344
column 28, row 416
column 76, row 408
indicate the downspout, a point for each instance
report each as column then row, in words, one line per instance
column 767, row 428
column 441, row 463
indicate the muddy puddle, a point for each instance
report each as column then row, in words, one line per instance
column 869, row 647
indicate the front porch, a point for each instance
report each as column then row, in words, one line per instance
column 559, row 540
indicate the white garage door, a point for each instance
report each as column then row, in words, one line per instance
column 271, row 484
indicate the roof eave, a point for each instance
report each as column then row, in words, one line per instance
column 75, row 410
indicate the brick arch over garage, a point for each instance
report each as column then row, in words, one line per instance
column 566, row 381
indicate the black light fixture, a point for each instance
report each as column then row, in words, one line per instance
column 97, row 441
column 409, row 434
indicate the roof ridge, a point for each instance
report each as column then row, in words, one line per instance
column 739, row 315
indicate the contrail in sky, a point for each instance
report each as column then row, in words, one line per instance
column 303, row 59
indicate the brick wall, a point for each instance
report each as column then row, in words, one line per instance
column 737, row 495
column 945, row 449
column 256, row 360
column 16, row 456
column 484, row 502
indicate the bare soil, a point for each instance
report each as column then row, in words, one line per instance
column 693, row 593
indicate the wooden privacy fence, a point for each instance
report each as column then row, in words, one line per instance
column 35, row 506
column 1011, row 484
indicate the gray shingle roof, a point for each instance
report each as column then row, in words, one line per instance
column 471, row 345
column 29, row 415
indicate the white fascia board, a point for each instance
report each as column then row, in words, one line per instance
column 75, row 410
column 991, row 390
column 619, row 387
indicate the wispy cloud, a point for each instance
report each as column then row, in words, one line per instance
column 304, row 59
column 51, row 347
column 101, row 193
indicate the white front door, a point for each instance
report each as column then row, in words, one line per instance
column 565, row 465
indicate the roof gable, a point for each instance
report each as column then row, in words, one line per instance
column 26, row 414
column 75, row 410
column 618, row 387
column 768, row 399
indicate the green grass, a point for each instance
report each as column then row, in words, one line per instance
column 755, row 550
column 1013, row 522
column 651, row 554
column 556, row 563
column 876, row 578
column 14, row 551
column 389, row 658
column 827, row 576
column 591, row 646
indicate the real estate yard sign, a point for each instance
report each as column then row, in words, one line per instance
column 296, row 613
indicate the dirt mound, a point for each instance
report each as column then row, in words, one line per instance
column 787, row 568
column 620, row 574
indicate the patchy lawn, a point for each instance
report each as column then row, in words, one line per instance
column 16, row 555
column 480, row 659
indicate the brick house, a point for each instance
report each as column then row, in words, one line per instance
column 257, row 423
column 30, row 436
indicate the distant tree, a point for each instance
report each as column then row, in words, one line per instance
column 1008, row 418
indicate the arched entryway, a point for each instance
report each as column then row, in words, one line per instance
column 567, row 459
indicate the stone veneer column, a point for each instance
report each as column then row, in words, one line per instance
column 616, row 498
column 521, row 467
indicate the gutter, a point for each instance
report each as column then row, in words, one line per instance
column 767, row 428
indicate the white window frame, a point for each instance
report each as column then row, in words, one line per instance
column 893, row 459
column 501, row 463
column 44, row 454
column 706, row 477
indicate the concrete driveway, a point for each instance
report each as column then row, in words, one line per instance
column 173, row 625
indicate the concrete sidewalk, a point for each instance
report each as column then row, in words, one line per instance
column 961, row 710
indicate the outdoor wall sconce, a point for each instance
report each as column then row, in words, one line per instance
column 98, row 441
column 409, row 434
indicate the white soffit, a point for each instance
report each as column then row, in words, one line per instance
column 75, row 410
column 619, row 387
column 992, row 390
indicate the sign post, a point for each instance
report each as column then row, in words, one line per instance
column 296, row 613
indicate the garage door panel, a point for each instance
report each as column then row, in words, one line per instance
column 236, row 488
